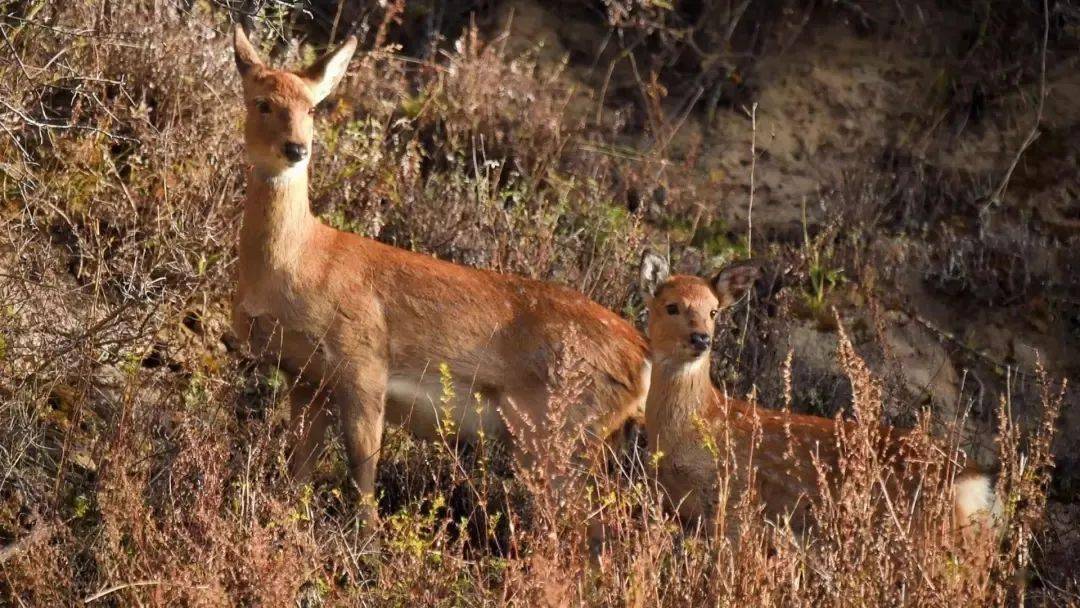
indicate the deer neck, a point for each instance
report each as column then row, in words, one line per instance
column 277, row 220
column 677, row 392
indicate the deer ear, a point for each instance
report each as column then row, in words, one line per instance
column 246, row 57
column 328, row 70
column 654, row 271
column 732, row 282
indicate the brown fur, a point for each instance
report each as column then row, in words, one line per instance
column 365, row 326
column 685, row 413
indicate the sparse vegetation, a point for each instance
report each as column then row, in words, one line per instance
column 142, row 453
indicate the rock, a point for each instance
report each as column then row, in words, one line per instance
column 990, row 338
column 81, row 458
column 818, row 384
column 530, row 28
column 1025, row 355
column 923, row 363
column 816, row 349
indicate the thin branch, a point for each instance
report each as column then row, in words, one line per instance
column 753, row 167
column 1034, row 133
column 15, row 54
column 62, row 127
column 122, row 586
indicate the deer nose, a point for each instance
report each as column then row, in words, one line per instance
column 294, row 152
column 699, row 342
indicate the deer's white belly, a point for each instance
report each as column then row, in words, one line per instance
column 422, row 406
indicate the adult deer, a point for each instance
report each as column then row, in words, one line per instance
column 687, row 419
column 365, row 327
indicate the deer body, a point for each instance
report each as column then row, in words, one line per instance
column 352, row 297
column 365, row 327
column 689, row 423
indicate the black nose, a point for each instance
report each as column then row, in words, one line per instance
column 295, row 152
column 699, row 342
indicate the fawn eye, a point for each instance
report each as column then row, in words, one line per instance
column 672, row 309
column 262, row 106
column 712, row 314
column 311, row 111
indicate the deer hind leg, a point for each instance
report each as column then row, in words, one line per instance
column 309, row 419
column 525, row 415
column 548, row 427
column 542, row 448
column 360, row 398
column 553, row 443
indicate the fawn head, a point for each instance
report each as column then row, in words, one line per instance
column 683, row 308
column 280, row 105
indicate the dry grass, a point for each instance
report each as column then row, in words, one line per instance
column 141, row 457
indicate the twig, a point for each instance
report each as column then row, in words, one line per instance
column 627, row 52
column 977, row 352
column 15, row 54
column 88, row 334
column 679, row 120
column 337, row 18
column 18, row 144
column 753, row 167
column 1034, row 133
column 734, row 22
column 749, row 219
column 122, row 586
column 48, row 125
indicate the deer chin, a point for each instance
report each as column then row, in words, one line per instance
column 682, row 363
column 694, row 365
column 278, row 170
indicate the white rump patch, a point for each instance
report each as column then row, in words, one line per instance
column 975, row 499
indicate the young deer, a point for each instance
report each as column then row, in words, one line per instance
column 365, row 327
column 683, row 405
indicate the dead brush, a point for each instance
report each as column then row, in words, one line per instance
column 888, row 538
column 871, row 512
column 553, row 469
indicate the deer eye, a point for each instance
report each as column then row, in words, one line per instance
column 672, row 309
column 311, row 111
column 262, row 106
column 712, row 314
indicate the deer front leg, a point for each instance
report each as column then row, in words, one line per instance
column 308, row 421
column 361, row 403
column 241, row 322
column 261, row 334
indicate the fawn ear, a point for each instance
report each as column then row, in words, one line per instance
column 732, row 282
column 328, row 70
column 246, row 57
column 654, row 271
